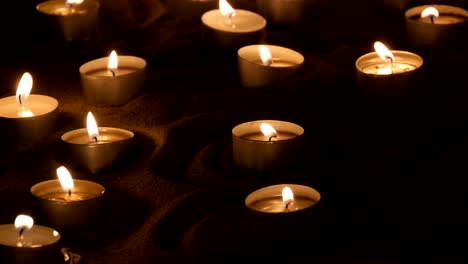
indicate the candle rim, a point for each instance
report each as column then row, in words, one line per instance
column 47, row 7
column 55, row 183
column 299, row 190
column 299, row 130
column 250, row 54
column 125, row 61
column 34, row 228
column 102, row 130
column 371, row 56
column 215, row 13
column 415, row 12
column 51, row 101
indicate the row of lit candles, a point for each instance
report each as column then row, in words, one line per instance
column 427, row 26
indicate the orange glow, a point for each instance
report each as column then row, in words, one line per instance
column 265, row 55
column 226, row 9
column 65, row 178
column 93, row 131
column 383, row 51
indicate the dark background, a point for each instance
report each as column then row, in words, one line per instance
column 391, row 170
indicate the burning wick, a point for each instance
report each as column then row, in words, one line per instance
column 23, row 223
column 113, row 74
column 226, row 10
column 288, row 198
column 268, row 131
column 66, row 180
column 391, row 63
column 430, row 12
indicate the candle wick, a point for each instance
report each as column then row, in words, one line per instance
column 19, row 99
column 21, row 231
column 95, row 139
column 432, row 17
column 113, row 72
column 391, row 63
column 271, row 138
column 69, row 192
column 269, row 62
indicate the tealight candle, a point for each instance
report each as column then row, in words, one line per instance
column 68, row 203
column 24, row 242
column 95, row 148
column 260, row 65
column 112, row 81
column 436, row 26
column 230, row 28
column 387, row 72
column 76, row 19
column 282, row 198
column 266, row 145
column 27, row 117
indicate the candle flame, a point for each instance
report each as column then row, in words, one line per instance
column 430, row 12
column 265, row 55
column 24, row 88
column 24, row 222
column 93, row 131
column 268, row 130
column 65, row 179
column 288, row 196
column 226, row 9
column 383, row 51
column 113, row 63
column 73, row 2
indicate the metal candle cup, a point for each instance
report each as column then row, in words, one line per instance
column 447, row 30
column 78, row 22
column 40, row 243
column 253, row 73
column 269, row 199
column 251, row 150
column 36, row 120
column 94, row 156
column 270, row 223
column 66, row 211
column 102, row 88
column 244, row 28
column 400, row 81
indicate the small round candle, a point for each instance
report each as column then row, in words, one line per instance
column 231, row 28
column 27, row 244
column 387, row 71
column 271, row 199
column 113, row 80
column 66, row 206
column 28, row 117
column 436, row 26
column 278, row 147
column 95, row 148
column 75, row 19
column 260, row 65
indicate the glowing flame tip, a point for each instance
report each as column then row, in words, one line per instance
column 288, row 196
column 265, row 55
column 65, row 178
column 226, row 9
column 430, row 12
column 383, row 51
column 24, row 222
column 93, row 131
column 24, row 88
